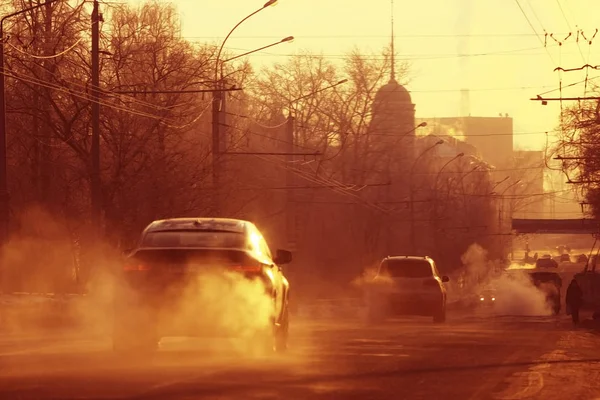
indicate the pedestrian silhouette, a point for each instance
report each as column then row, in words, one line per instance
column 574, row 300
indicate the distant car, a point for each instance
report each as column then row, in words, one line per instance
column 546, row 263
column 487, row 297
column 172, row 253
column 582, row 259
column 408, row 285
column 565, row 258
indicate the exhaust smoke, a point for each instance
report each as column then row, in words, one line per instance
column 222, row 304
column 41, row 259
column 515, row 293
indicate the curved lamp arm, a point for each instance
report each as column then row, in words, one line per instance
column 267, row 4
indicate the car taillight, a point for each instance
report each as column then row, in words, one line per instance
column 248, row 268
column 136, row 267
column 431, row 283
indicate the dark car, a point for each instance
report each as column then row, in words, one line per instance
column 547, row 281
column 546, row 262
column 171, row 255
column 550, row 283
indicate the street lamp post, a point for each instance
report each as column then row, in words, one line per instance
column 4, row 195
column 435, row 194
column 501, row 211
column 413, row 236
column 468, row 218
column 499, row 182
column 284, row 40
column 216, row 107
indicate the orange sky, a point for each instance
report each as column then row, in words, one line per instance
column 506, row 63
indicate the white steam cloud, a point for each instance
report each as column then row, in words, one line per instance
column 218, row 303
column 514, row 291
column 225, row 302
column 516, row 295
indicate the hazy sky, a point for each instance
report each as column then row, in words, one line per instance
column 504, row 62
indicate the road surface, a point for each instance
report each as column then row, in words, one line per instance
column 472, row 356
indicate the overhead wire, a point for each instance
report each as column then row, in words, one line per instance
column 543, row 42
column 587, row 71
column 105, row 92
column 417, row 56
column 83, row 96
column 193, row 121
column 122, row 97
column 62, row 53
column 265, row 136
column 434, row 121
column 586, row 61
column 335, row 188
column 255, row 121
column 329, row 183
column 571, row 84
column 562, row 11
column 408, row 36
column 342, row 189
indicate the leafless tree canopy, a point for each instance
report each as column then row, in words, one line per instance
column 578, row 150
column 350, row 200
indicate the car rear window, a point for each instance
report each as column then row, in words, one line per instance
column 407, row 268
column 201, row 239
column 546, row 263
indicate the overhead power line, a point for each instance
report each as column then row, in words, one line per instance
column 543, row 99
column 416, row 36
column 62, row 53
column 543, row 42
column 417, row 56
column 570, row 29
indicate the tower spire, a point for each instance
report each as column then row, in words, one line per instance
column 393, row 56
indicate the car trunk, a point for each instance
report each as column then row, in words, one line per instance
column 158, row 269
column 188, row 290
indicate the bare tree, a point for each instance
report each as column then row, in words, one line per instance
column 578, row 145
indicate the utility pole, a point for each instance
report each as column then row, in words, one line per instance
column 222, row 167
column 413, row 231
column 96, row 190
column 4, row 196
column 216, row 147
column 411, row 188
column 289, row 182
column 219, row 118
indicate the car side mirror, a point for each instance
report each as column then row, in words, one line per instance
column 283, row 257
column 445, row 279
column 127, row 252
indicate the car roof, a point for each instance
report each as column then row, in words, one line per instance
column 424, row 258
column 427, row 259
column 545, row 260
column 200, row 224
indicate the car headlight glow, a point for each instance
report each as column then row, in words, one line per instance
column 493, row 299
column 482, row 298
